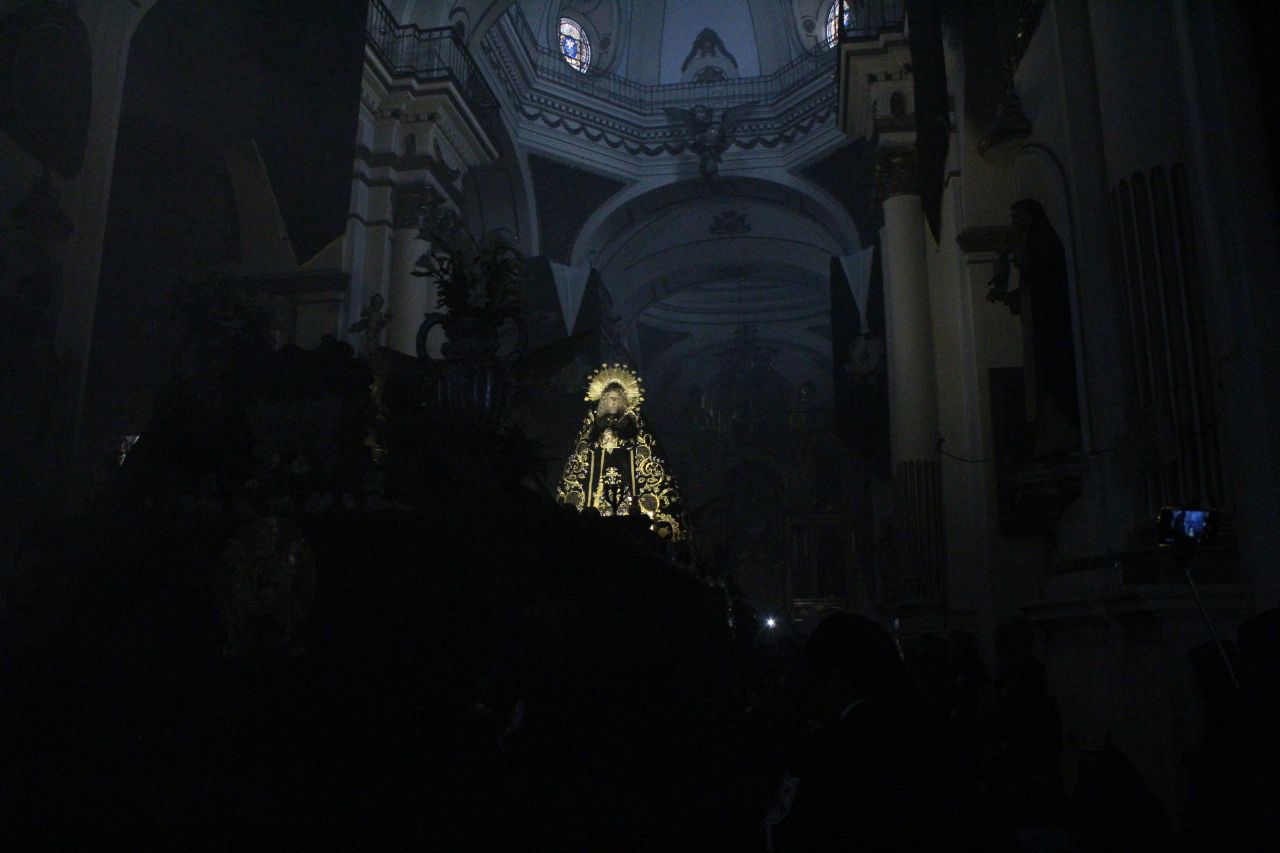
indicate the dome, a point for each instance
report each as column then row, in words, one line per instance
column 671, row 41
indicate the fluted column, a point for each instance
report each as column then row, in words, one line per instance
column 409, row 297
column 913, row 398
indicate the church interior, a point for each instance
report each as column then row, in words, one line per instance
column 588, row 424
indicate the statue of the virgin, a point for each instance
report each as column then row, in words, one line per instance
column 616, row 468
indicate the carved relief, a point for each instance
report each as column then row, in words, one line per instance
column 729, row 222
column 415, row 205
column 438, row 162
column 708, row 60
column 896, row 172
column 706, row 45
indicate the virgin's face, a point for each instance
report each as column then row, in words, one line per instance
column 611, row 403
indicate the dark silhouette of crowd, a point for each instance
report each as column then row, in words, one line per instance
column 273, row 631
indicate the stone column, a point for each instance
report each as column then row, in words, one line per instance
column 913, row 396
column 409, row 297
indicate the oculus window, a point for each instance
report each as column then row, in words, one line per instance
column 574, row 44
column 845, row 21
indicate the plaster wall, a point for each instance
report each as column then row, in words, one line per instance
column 988, row 576
column 1236, row 224
column 730, row 19
column 1139, row 85
column 1063, row 168
column 1102, row 90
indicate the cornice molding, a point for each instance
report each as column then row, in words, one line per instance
column 383, row 162
column 616, row 128
column 438, row 103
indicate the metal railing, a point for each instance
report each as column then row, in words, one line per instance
column 407, row 50
column 438, row 53
column 870, row 19
column 652, row 99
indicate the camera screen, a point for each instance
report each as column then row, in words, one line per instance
column 1184, row 526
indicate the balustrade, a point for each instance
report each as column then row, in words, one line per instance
column 437, row 53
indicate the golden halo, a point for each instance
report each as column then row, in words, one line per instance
column 621, row 374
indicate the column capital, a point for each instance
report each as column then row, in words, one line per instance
column 414, row 205
column 896, row 172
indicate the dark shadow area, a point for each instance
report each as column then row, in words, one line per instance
column 209, row 86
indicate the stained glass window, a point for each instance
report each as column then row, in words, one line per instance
column 833, row 31
column 574, row 44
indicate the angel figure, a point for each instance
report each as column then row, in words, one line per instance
column 372, row 321
column 710, row 139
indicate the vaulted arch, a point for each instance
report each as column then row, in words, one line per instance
column 692, row 269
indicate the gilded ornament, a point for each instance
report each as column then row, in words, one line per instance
column 617, row 374
column 615, row 465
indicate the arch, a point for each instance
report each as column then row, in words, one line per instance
column 499, row 195
column 826, row 210
column 626, row 236
column 689, row 269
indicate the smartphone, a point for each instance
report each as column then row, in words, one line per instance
column 1181, row 525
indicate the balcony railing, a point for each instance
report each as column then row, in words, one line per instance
column 407, row 50
column 870, row 19
column 652, row 99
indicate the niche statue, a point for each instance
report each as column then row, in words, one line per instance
column 1042, row 301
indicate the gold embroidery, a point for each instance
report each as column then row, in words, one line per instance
column 594, row 469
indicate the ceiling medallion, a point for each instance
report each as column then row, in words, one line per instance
column 728, row 223
column 735, row 272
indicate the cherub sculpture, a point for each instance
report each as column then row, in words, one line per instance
column 710, row 139
column 373, row 319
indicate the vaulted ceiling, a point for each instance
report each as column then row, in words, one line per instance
column 691, row 267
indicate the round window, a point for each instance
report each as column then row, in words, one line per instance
column 845, row 21
column 575, row 47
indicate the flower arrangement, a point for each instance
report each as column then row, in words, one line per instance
column 476, row 278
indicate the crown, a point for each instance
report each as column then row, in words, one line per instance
column 620, row 374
